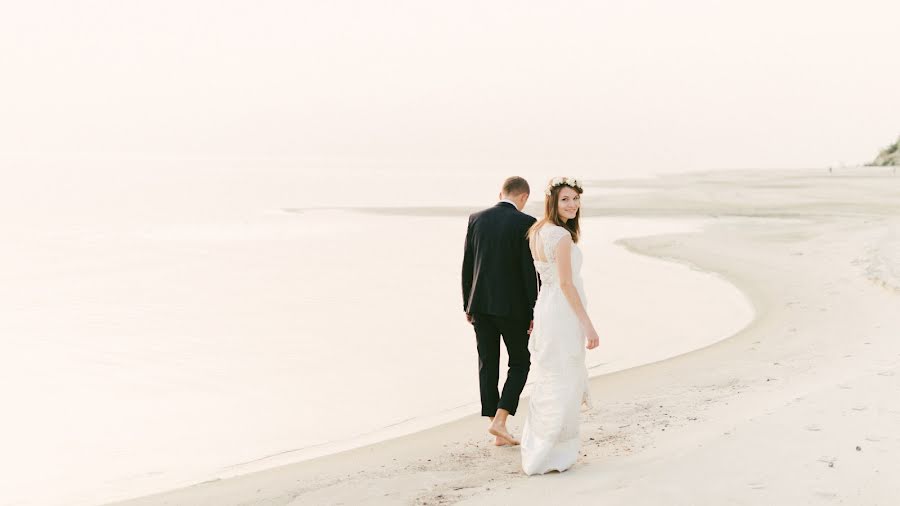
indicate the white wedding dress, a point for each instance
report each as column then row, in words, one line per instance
column 550, row 439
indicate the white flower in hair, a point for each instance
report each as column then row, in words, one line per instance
column 560, row 181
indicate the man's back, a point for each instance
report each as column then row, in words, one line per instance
column 498, row 275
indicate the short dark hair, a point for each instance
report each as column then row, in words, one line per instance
column 514, row 186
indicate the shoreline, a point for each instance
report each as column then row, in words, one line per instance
column 797, row 407
column 428, row 422
column 447, row 425
column 661, row 250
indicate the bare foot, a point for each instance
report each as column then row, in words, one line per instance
column 499, row 441
column 501, row 433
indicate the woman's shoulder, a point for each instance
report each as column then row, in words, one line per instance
column 552, row 233
column 553, row 229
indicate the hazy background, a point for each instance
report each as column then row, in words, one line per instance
column 165, row 327
column 624, row 85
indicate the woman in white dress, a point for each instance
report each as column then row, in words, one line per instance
column 562, row 331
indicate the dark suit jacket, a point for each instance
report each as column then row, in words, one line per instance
column 498, row 276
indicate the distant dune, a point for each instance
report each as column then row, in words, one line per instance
column 889, row 155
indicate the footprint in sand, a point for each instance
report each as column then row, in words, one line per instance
column 886, row 373
column 757, row 485
column 813, row 428
column 859, row 407
column 829, row 461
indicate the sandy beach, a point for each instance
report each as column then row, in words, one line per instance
column 799, row 407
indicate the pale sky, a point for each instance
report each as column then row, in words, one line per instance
column 686, row 84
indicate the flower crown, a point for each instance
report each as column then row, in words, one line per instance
column 562, row 181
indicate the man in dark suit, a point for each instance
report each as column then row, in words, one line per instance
column 499, row 287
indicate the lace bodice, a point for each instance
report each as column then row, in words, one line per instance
column 543, row 250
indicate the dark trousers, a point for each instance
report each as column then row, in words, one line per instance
column 488, row 330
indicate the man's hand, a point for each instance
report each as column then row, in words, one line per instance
column 530, row 327
column 469, row 318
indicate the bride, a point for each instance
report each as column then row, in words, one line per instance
column 550, row 439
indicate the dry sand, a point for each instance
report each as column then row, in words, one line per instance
column 800, row 407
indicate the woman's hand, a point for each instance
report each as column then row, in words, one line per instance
column 593, row 340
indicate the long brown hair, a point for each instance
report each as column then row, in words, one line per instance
column 551, row 213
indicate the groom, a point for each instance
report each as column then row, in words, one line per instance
column 499, row 287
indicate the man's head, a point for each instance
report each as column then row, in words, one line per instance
column 516, row 189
